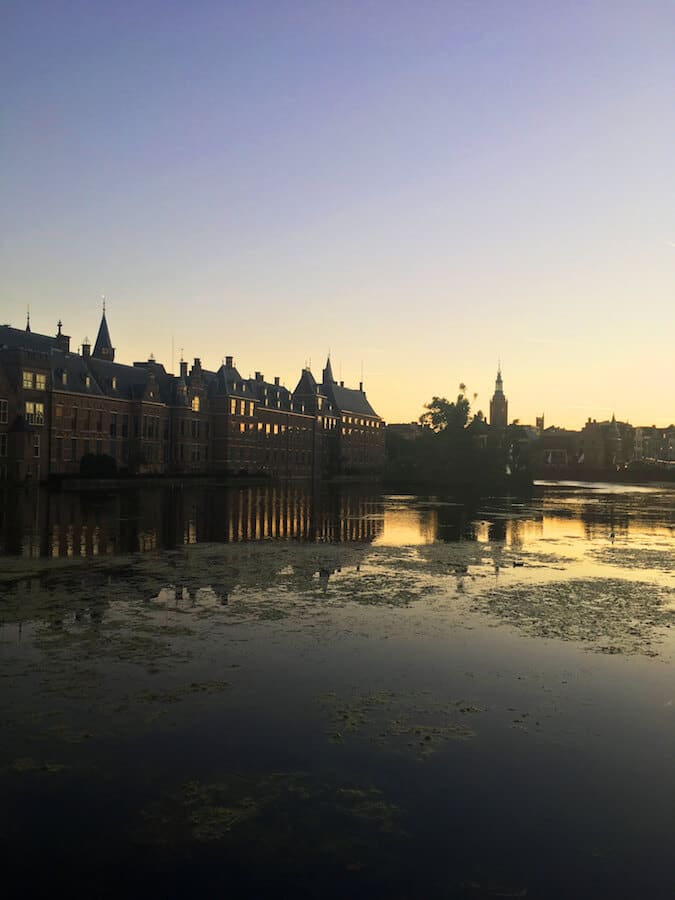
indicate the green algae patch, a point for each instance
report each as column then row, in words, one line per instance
column 607, row 615
column 408, row 723
column 659, row 558
column 27, row 764
column 290, row 817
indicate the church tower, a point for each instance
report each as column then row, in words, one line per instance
column 103, row 348
column 499, row 405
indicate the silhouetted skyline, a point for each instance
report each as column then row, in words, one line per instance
column 421, row 189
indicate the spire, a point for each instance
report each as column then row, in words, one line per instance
column 328, row 373
column 28, row 319
column 103, row 348
column 499, row 384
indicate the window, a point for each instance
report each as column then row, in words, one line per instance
column 73, row 419
column 40, row 382
column 3, row 445
column 233, row 407
column 27, row 381
column 73, row 449
column 242, row 407
column 87, row 380
column 64, row 377
column 59, row 448
column 114, row 383
column 3, row 412
column 35, row 413
column 36, row 446
column 195, row 404
column 113, row 425
column 59, row 414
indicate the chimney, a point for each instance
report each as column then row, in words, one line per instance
column 228, row 362
column 86, row 348
column 276, row 380
column 361, row 386
column 197, row 363
column 342, row 384
column 259, row 376
column 183, row 368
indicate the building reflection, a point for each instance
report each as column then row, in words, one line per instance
column 39, row 522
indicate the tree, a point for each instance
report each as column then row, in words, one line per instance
column 444, row 414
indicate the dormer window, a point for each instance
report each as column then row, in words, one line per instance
column 114, row 383
column 64, row 377
column 87, row 380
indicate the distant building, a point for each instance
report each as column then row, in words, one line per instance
column 499, row 405
column 57, row 407
column 607, row 444
column 656, row 444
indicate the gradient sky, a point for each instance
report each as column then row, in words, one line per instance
column 422, row 188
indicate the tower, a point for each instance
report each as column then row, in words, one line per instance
column 103, row 348
column 499, row 405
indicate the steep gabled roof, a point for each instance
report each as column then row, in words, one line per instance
column 267, row 394
column 228, row 381
column 103, row 348
column 20, row 339
column 349, row 400
column 76, row 370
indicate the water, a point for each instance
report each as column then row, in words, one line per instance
column 266, row 692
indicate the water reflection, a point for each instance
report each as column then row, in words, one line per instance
column 41, row 523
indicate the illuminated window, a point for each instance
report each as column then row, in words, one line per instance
column 3, row 412
column 40, row 382
column 59, row 413
column 27, row 380
column 233, row 407
column 242, row 427
column 242, row 407
column 35, row 413
column 64, row 377
column 114, row 384
column 195, row 404
column 87, row 380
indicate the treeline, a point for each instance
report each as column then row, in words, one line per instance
column 453, row 449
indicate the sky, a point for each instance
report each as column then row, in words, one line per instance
column 420, row 189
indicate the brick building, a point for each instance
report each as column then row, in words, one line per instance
column 58, row 406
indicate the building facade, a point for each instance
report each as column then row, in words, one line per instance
column 60, row 410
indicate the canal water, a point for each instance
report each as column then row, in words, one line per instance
column 269, row 692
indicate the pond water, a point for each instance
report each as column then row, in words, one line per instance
column 273, row 692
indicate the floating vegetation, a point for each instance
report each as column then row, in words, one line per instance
column 27, row 764
column 610, row 615
column 283, row 815
column 642, row 558
column 411, row 723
